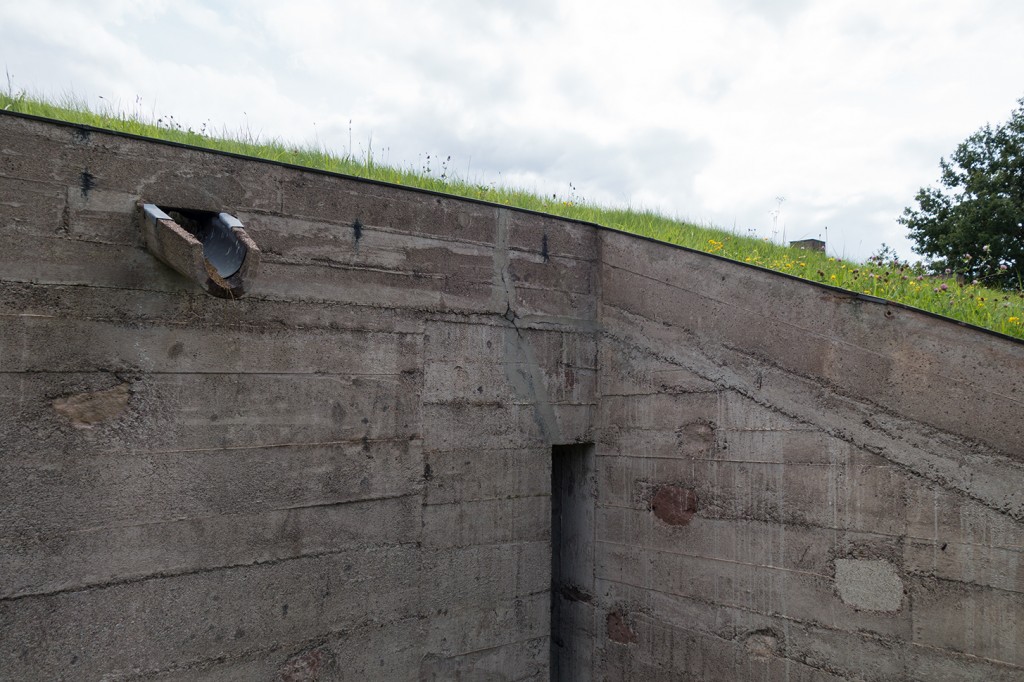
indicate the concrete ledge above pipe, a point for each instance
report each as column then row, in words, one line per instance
column 214, row 250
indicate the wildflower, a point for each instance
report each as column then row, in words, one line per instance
column 948, row 271
column 833, row 278
column 1003, row 266
column 986, row 248
column 1014, row 319
column 944, row 287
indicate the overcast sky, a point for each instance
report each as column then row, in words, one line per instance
column 705, row 110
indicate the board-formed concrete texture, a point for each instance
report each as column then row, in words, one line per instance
column 352, row 471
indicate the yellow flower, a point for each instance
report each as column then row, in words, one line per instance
column 833, row 278
column 1014, row 320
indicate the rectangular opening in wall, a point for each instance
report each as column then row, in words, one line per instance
column 573, row 491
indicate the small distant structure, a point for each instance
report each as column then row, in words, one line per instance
column 809, row 244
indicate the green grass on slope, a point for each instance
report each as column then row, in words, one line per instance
column 1001, row 311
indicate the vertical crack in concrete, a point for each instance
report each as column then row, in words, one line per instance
column 503, row 292
column 522, row 371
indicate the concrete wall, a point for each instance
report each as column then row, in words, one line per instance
column 347, row 474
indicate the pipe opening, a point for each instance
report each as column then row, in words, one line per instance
column 210, row 247
column 221, row 247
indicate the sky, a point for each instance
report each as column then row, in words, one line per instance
column 778, row 118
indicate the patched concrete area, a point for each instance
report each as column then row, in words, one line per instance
column 353, row 472
column 85, row 410
column 870, row 584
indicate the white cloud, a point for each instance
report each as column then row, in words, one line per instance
column 704, row 109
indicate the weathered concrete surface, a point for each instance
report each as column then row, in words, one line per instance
column 348, row 473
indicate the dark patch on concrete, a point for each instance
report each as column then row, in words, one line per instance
column 88, row 409
column 428, row 473
column 619, row 629
column 175, row 350
column 307, row 666
column 544, row 248
column 86, row 181
column 357, row 231
column 573, row 593
column 674, row 504
column 82, row 135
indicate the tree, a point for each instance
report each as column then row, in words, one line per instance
column 974, row 224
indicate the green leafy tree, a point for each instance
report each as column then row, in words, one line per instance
column 974, row 224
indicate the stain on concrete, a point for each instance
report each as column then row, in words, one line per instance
column 619, row 629
column 307, row 666
column 357, row 231
column 673, row 504
column 571, row 592
column 869, row 584
column 85, row 410
column 86, row 181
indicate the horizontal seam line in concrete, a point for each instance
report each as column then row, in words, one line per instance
column 711, row 558
column 171, row 575
column 737, row 607
column 468, row 500
column 432, row 546
column 954, row 653
column 788, row 524
column 495, row 647
column 810, row 624
column 248, row 655
column 256, row 446
column 469, row 402
column 709, row 460
column 1017, row 549
column 234, row 515
column 662, row 394
column 201, row 373
column 778, row 526
column 336, row 265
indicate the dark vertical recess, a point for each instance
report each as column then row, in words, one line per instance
column 572, row 559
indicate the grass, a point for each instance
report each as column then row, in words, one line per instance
column 995, row 309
